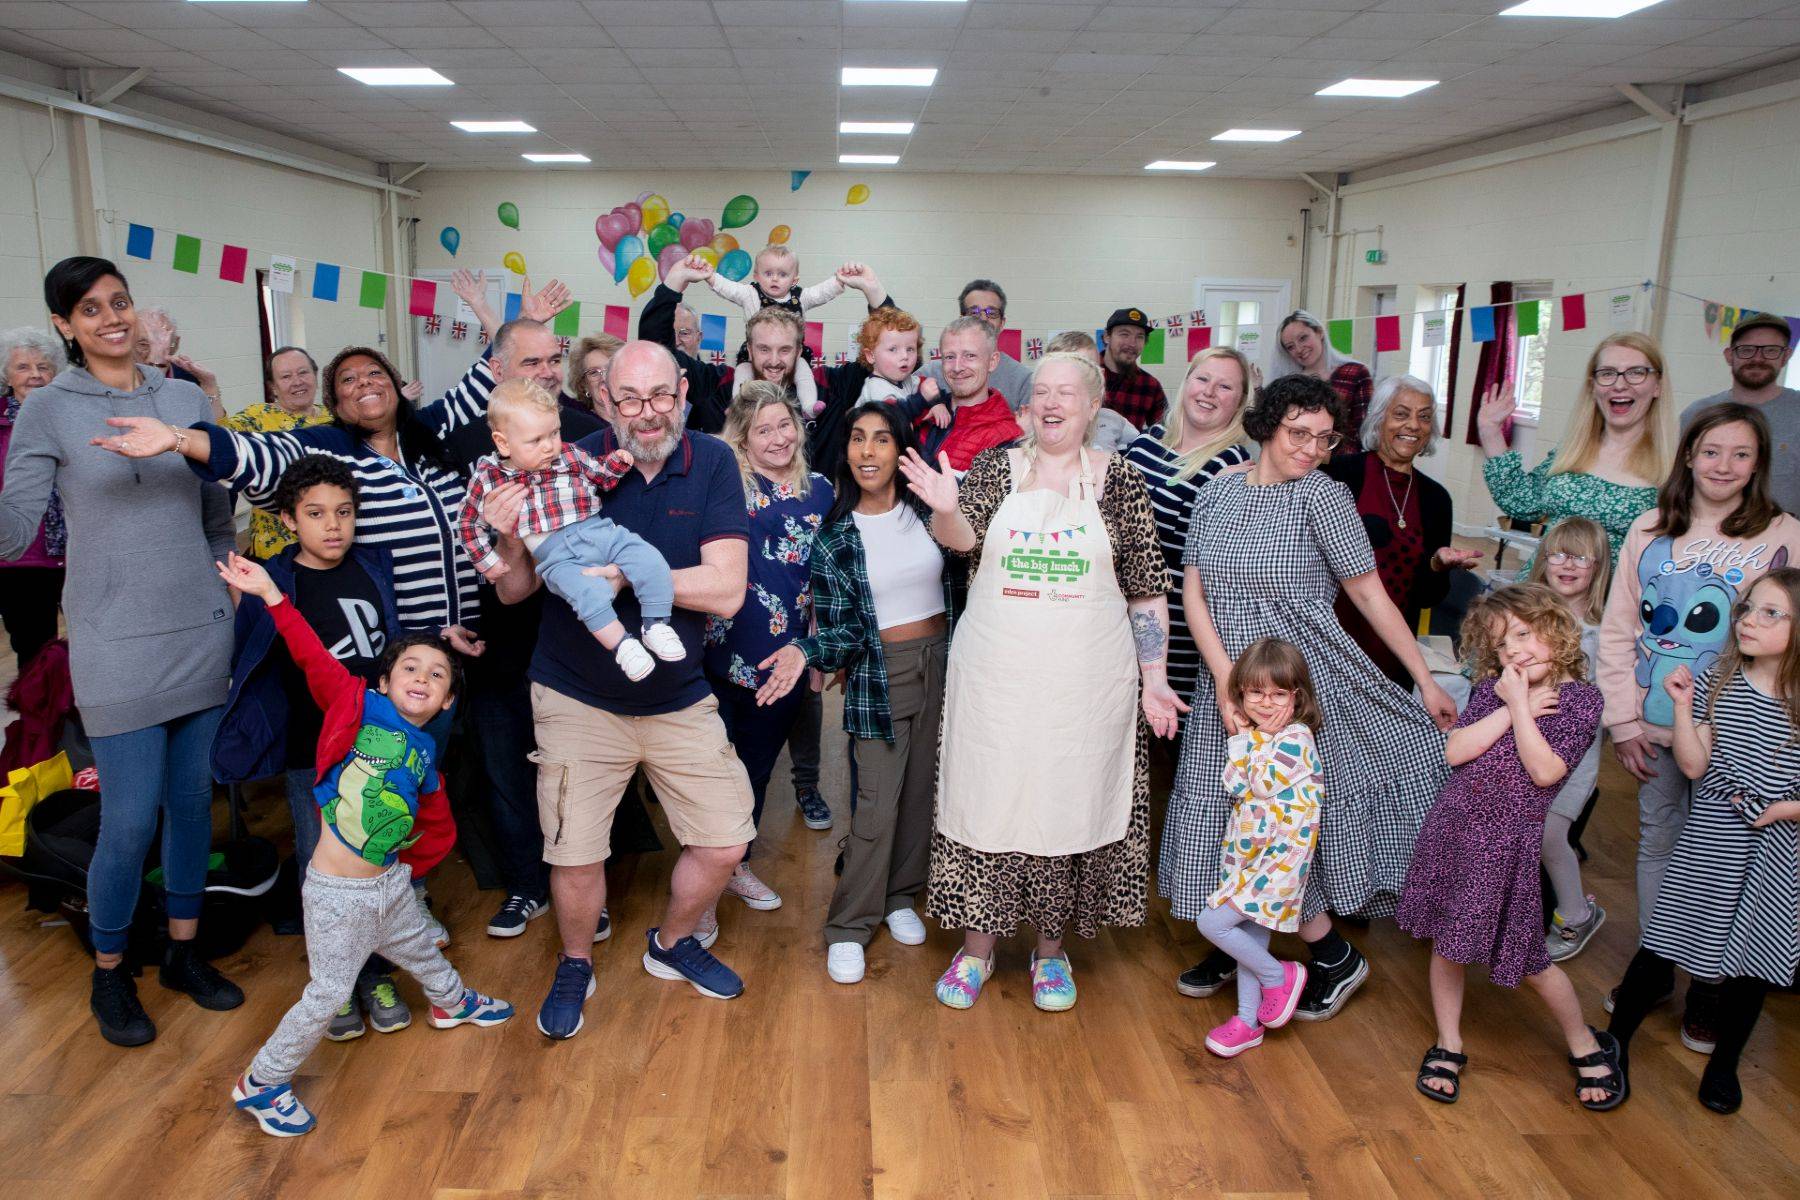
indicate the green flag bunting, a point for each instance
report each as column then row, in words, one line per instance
column 374, row 290
column 568, row 321
column 1526, row 315
column 1342, row 334
column 187, row 254
column 1154, row 343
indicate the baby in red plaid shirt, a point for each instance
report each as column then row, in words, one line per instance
column 562, row 526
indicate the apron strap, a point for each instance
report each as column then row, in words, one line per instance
column 1084, row 483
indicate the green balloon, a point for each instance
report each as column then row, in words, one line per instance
column 663, row 235
column 739, row 211
column 509, row 215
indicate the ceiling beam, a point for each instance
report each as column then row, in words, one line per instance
column 1632, row 93
column 131, row 80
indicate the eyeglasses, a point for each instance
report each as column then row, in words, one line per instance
column 1301, row 439
column 984, row 312
column 662, row 400
column 594, row 374
column 1563, row 558
column 1607, row 376
column 1759, row 615
column 1768, row 353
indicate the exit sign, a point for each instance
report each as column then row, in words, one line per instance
column 1375, row 257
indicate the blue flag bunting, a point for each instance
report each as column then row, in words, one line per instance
column 325, row 282
column 513, row 301
column 1481, row 323
column 140, row 240
column 712, row 331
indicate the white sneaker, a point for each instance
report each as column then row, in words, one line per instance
column 440, row 936
column 906, row 927
column 752, row 891
column 707, row 931
column 844, row 962
column 633, row 659
column 664, row 642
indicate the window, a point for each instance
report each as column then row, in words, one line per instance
column 1529, row 352
column 1432, row 363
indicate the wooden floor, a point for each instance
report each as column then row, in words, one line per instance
column 804, row 1088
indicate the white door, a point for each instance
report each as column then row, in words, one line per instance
column 442, row 359
column 1243, row 313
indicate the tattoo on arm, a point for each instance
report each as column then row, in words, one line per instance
column 1150, row 638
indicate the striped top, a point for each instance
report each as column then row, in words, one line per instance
column 1172, row 502
column 408, row 508
column 1730, row 902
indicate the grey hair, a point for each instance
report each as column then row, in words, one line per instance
column 1283, row 365
column 503, row 336
column 971, row 325
column 1383, row 399
column 151, row 310
column 25, row 337
column 688, row 309
column 981, row 285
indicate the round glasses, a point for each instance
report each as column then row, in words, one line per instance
column 1760, row 614
column 662, row 400
column 1607, row 376
column 1751, row 353
column 1564, row 558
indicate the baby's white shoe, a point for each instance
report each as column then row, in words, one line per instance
column 633, row 659
column 664, row 642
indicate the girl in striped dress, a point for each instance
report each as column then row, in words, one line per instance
column 1730, row 903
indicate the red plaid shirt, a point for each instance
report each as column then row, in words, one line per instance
column 1137, row 397
column 566, row 491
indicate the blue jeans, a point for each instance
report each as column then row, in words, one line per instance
column 565, row 554
column 159, row 770
column 757, row 734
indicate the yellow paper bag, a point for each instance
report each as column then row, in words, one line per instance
column 24, row 788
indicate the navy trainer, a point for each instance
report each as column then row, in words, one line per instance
column 688, row 960
column 560, row 1016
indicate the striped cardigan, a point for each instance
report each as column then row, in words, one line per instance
column 408, row 508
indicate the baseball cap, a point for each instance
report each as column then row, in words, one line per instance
column 1128, row 316
column 1763, row 320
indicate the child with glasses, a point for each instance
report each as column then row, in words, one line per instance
column 561, row 525
column 1713, row 533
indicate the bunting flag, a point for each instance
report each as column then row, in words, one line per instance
column 1342, row 333
column 1387, row 334
column 513, row 303
column 717, row 358
column 1177, row 328
column 140, row 241
column 325, row 282
column 458, row 330
column 1153, row 354
column 1525, row 317
column 618, row 321
column 373, row 293
column 1009, row 343
column 1034, row 349
column 1481, row 323
column 1055, row 535
column 712, row 331
column 563, row 344
column 423, row 302
column 1199, row 338
column 815, row 338
column 433, row 323
column 187, row 254
column 568, row 321
column 841, row 358
column 232, row 261
column 1574, row 312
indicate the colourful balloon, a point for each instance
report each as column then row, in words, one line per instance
column 796, row 178
column 628, row 251
column 610, row 227
column 606, row 259
column 641, row 275
column 696, row 233
column 669, row 257
column 709, row 254
column 858, row 193
column 450, row 237
column 676, row 219
column 509, row 215
column 735, row 265
column 661, row 236
column 636, row 213
column 723, row 244
column 739, row 210
column 515, row 262
column 643, row 196
column 655, row 211
column 779, row 235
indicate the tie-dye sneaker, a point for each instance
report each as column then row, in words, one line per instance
column 960, row 985
column 1052, row 984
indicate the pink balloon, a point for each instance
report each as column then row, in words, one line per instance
column 612, row 226
column 636, row 213
column 695, row 233
column 606, row 257
column 671, row 254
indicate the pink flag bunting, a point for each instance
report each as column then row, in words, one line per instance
column 423, row 301
column 1574, row 311
column 231, row 263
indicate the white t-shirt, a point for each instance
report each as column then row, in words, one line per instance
column 906, row 567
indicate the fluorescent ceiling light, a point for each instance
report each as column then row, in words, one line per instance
column 1171, row 164
column 908, row 1
column 876, row 127
column 246, row 1
column 556, row 158
column 395, row 76
column 494, row 127
column 1387, row 89
column 1596, row 9
column 870, row 160
column 1256, row 135
column 889, row 76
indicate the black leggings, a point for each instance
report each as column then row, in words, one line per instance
column 1651, row 977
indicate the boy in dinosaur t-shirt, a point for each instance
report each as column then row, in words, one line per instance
column 384, row 816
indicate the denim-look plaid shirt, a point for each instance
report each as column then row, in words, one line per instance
column 844, row 605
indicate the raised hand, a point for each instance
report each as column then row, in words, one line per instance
column 248, row 577
column 161, row 336
column 472, row 288
column 139, row 437
column 413, row 391
column 936, row 486
column 1496, row 409
column 691, row 269
column 546, row 303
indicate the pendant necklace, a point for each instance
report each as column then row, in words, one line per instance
column 1399, row 505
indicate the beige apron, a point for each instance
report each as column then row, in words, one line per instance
column 1041, row 701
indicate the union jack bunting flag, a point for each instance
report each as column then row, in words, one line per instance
column 434, row 324
column 936, row 354
column 1173, row 324
column 843, row 357
column 1034, row 348
column 483, row 336
column 459, row 330
column 717, row 358
column 564, row 343
column 1197, row 317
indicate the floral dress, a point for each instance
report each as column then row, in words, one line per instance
column 1276, row 780
column 778, row 595
column 1538, row 495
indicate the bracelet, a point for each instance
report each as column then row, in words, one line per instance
column 180, row 436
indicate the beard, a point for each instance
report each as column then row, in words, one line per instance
column 1755, row 375
column 657, row 451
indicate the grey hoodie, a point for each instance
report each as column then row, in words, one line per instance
column 150, row 624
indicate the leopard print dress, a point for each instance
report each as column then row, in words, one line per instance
column 996, row 893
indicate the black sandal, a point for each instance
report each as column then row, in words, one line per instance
column 1613, row 1083
column 1428, row 1069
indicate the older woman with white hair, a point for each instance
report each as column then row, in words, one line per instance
column 1057, row 676
column 1406, row 512
column 1302, row 348
column 30, row 585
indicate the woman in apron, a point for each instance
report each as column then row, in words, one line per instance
column 1043, row 800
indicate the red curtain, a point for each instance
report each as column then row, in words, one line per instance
column 1496, row 364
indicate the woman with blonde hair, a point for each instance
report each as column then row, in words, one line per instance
column 1302, row 347
column 1613, row 455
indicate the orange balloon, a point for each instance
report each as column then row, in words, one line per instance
column 779, row 235
column 724, row 244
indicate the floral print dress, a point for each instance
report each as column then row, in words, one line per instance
column 778, row 595
column 1539, row 495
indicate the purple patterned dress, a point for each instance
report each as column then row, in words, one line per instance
column 1472, row 888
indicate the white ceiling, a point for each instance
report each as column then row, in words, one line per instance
column 1057, row 86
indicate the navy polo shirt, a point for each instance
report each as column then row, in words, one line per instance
column 697, row 497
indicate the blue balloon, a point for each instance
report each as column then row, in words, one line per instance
column 450, row 238
column 676, row 219
column 735, row 265
column 629, row 250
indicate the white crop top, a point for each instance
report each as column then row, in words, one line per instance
column 906, row 568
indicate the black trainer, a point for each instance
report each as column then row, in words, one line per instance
column 185, row 971
column 122, row 1020
column 1208, row 975
column 1327, row 988
column 813, row 808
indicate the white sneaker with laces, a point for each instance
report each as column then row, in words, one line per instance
column 906, row 927
column 664, row 642
column 844, row 962
column 752, row 891
column 707, row 931
column 633, row 659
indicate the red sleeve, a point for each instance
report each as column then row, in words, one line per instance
column 436, row 830
column 331, row 683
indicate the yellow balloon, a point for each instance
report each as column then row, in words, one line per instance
column 641, row 275
column 515, row 262
column 724, row 244
column 858, row 193
column 656, row 211
column 781, row 233
column 709, row 254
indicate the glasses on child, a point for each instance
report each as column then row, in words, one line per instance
column 1746, row 353
column 1561, row 558
column 1301, row 439
column 662, row 400
column 1760, row 614
column 1607, row 376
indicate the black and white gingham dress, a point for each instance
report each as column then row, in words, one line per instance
column 1270, row 557
column 1730, row 902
